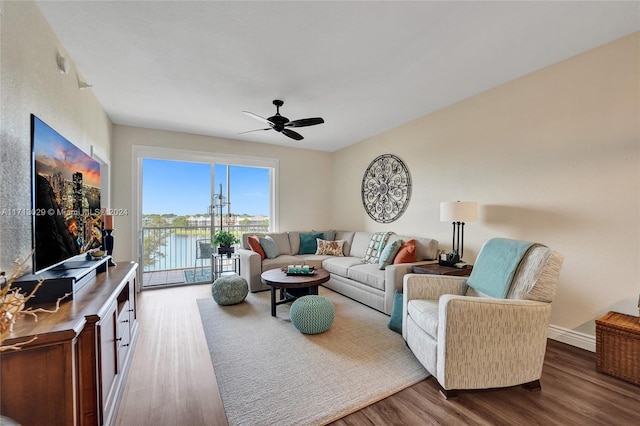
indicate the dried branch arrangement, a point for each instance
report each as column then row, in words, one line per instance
column 12, row 304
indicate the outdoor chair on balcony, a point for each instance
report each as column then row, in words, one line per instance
column 203, row 253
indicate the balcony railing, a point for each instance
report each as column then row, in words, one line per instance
column 175, row 249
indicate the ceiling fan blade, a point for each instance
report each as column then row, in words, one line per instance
column 257, row 117
column 293, row 135
column 255, row 130
column 305, row 122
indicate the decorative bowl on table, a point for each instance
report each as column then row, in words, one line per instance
column 296, row 271
column 97, row 254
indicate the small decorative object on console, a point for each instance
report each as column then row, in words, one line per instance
column 97, row 254
column 107, row 237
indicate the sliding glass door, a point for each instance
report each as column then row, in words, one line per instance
column 183, row 203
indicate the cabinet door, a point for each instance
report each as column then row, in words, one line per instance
column 107, row 331
column 38, row 385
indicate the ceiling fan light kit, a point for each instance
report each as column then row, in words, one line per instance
column 281, row 124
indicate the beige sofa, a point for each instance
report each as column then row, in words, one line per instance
column 350, row 276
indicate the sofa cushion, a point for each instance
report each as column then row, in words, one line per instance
column 282, row 241
column 280, row 261
column 348, row 237
column 368, row 274
column 426, row 249
column 269, row 246
column 340, row 265
column 376, row 245
column 407, row 253
column 360, row 244
column 389, row 253
column 308, row 243
column 327, row 235
column 425, row 315
column 330, row 248
column 294, row 242
column 254, row 244
column 313, row 260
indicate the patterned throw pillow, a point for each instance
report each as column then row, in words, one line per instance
column 376, row 244
column 269, row 246
column 330, row 248
column 254, row 243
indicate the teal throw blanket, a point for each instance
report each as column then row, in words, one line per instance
column 496, row 265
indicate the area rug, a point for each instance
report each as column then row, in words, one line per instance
column 201, row 275
column 271, row 374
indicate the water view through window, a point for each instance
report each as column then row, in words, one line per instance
column 184, row 203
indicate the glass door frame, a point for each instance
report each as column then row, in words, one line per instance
column 140, row 152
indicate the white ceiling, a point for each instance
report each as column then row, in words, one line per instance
column 364, row 67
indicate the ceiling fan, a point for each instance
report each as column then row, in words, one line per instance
column 281, row 124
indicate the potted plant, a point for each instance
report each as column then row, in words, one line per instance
column 224, row 240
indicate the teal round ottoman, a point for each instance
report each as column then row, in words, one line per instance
column 312, row 314
column 229, row 290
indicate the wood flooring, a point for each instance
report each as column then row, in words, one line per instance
column 172, row 382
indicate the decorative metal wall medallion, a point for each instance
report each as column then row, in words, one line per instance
column 386, row 188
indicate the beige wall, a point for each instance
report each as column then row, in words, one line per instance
column 304, row 177
column 551, row 157
column 32, row 83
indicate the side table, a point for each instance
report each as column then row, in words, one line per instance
column 436, row 269
column 222, row 264
column 618, row 346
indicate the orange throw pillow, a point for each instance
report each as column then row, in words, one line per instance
column 254, row 243
column 407, row 253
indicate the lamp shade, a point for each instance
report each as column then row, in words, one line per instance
column 459, row 211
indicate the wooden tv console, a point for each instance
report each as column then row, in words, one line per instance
column 74, row 372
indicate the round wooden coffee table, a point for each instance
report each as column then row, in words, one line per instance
column 292, row 286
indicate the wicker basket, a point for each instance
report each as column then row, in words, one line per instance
column 618, row 346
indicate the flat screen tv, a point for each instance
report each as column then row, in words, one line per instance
column 66, row 198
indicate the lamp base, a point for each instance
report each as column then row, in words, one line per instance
column 107, row 242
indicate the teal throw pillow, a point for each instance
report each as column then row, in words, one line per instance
column 389, row 253
column 269, row 246
column 308, row 243
column 328, row 235
column 395, row 323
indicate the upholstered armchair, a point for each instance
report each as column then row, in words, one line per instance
column 470, row 333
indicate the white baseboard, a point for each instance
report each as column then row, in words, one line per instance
column 573, row 338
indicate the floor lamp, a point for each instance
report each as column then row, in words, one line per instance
column 457, row 212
